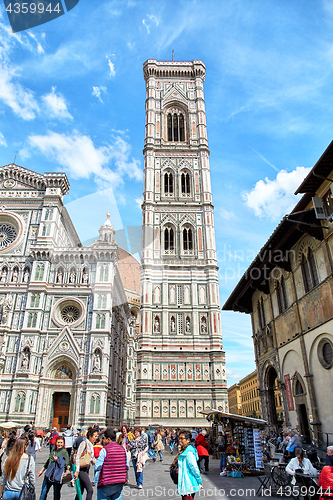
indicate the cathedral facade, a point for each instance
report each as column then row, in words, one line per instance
column 181, row 362
column 66, row 329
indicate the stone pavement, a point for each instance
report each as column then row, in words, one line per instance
column 157, row 483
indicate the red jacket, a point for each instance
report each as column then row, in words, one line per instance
column 54, row 437
column 202, row 446
column 326, row 482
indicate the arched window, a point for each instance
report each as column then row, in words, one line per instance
column 309, row 270
column 104, row 273
column 49, row 214
column 187, row 240
column 20, row 402
column 32, row 320
column 95, row 402
column 39, row 272
column 298, row 388
column 169, row 241
column 176, row 126
column 35, row 298
column 100, row 321
column 46, row 230
column 281, row 296
column 185, row 184
column 261, row 314
column 101, row 302
column 168, row 184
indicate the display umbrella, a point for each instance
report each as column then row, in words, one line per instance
column 9, row 425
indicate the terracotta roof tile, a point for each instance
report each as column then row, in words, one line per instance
column 129, row 270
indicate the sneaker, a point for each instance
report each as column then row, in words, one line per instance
column 140, row 487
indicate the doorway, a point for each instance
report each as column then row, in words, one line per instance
column 304, row 422
column 61, row 404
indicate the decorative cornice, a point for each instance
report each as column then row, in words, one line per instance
column 174, row 69
column 35, row 180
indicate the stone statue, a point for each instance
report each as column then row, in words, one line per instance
column 15, row 276
column 173, row 324
column 96, row 363
column 156, row 325
column 188, row 325
column 6, row 304
column 72, row 277
column 85, row 278
column 203, row 326
column 24, row 363
column 59, row 277
column 26, row 277
column 4, row 275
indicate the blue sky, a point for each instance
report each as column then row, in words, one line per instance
column 72, row 99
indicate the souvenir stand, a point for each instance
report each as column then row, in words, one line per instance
column 244, row 440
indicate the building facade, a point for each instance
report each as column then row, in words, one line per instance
column 64, row 314
column 234, row 400
column 181, row 362
column 249, row 394
column 288, row 292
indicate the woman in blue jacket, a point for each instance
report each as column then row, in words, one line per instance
column 189, row 478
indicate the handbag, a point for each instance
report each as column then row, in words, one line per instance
column 28, row 491
column 174, row 473
column 85, row 458
column 66, row 477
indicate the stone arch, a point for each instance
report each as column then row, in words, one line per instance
column 177, row 111
column 59, row 361
column 270, row 387
column 298, row 385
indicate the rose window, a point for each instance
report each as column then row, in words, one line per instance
column 8, row 235
column 70, row 314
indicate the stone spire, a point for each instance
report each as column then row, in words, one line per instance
column 106, row 232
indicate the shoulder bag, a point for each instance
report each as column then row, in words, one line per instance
column 85, row 458
column 174, row 473
column 28, row 489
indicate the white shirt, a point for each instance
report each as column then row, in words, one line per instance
column 307, row 467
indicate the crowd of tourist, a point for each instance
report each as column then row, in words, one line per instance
column 110, row 453
column 72, row 454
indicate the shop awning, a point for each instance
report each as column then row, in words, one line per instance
column 241, row 418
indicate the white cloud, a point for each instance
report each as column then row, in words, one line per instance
column 40, row 49
column 2, row 140
column 152, row 18
column 19, row 99
column 111, row 66
column 273, row 199
column 231, row 374
column 78, row 155
column 226, row 215
column 156, row 20
column 55, row 105
column 97, row 92
column 139, row 201
column 146, row 25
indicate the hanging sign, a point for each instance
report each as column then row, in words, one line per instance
column 289, row 393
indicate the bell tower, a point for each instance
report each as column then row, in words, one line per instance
column 181, row 362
